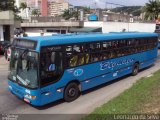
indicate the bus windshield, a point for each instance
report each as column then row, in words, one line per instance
column 23, row 68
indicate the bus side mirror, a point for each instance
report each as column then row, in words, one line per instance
column 52, row 67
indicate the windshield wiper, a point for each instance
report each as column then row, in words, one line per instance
column 24, row 52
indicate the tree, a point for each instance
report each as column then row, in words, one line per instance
column 8, row 5
column 75, row 14
column 23, row 6
column 135, row 10
column 86, row 10
column 66, row 14
column 35, row 12
column 152, row 9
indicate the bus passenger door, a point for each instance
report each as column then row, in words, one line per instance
column 51, row 70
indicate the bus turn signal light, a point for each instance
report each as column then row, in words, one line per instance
column 30, row 97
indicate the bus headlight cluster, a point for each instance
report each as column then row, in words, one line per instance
column 10, row 87
column 30, row 97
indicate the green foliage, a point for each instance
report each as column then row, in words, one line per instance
column 8, row 5
column 67, row 14
column 35, row 12
column 86, row 10
column 23, row 6
column 18, row 18
column 75, row 14
column 25, row 35
column 152, row 9
column 135, row 10
column 143, row 95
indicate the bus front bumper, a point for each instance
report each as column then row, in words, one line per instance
column 30, row 96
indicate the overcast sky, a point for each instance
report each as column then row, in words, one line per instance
column 101, row 3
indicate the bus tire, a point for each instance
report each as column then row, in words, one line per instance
column 135, row 69
column 71, row 92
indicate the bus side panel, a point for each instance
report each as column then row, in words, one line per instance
column 92, row 75
column 149, row 57
column 146, row 64
column 105, row 78
column 50, row 94
column 145, row 59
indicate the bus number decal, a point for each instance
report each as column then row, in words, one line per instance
column 78, row 72
column 109, row 65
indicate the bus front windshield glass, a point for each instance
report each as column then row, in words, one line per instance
column 23, row 68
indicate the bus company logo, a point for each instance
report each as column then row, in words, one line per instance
column 78, row 72
column 109, row 65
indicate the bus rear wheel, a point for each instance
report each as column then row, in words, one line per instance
column 71, row 92
column 135, row 69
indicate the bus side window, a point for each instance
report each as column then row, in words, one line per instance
column 73, row 55
column 51, row 65
column 95, row 49
column 109, row 45
column 104, row 45
column 70, row 60
column 78, row 55
column 73, row 59
column 87, row 58
column 114, row 44
column 86, row 53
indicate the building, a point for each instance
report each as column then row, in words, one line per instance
column 44, row 8
column 57, row 7
column 54, row 7
column 117, row 17
column 31, row 5
column 7, row 25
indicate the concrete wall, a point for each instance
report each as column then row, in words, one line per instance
column 8, row 15
column 52, row 24
column 7, row 25
column 119, row 26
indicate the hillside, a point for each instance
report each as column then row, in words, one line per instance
column 134, row 10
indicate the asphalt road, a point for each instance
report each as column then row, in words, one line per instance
column 85, row 104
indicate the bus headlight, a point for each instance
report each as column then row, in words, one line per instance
column 30, row 97
column 10, row 87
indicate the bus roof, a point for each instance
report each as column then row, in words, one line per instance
column 80, row 38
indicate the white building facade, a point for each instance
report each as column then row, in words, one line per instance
column 57, row 7
column 31, row 5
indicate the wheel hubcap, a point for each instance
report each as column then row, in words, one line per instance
column 72, row 92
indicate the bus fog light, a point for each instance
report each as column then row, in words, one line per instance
column 10, row 87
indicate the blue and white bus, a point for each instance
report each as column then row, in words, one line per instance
column 49, row 68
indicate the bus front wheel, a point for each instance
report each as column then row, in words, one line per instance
column 71, row 92
column 135, row 69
